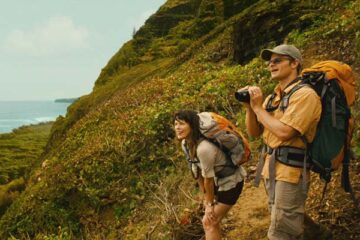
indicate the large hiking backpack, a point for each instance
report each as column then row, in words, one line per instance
column 223, row 133
column 334, row 82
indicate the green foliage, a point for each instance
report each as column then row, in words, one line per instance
column 126, row 57
column 20, row 151
column 9, row 192
column 114, row 154
column 184, row 30
column 63, row 235
column 93, row 153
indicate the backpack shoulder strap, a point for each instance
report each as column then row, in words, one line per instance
column 187, row 153
column 228, row 168
column 286, row 99
column 218, row 145
column 224, row 150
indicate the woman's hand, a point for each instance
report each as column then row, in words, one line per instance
column 209, row 216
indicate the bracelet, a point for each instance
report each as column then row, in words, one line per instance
column 211, row 204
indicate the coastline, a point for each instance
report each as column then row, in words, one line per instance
column 66, row 100
column 17, row 114
column 28, row 127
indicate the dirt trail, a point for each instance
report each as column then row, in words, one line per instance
column 249, row 218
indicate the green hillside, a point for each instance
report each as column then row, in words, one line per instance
column 20, row 155
column 114, row 169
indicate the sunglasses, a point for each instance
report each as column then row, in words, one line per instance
column 277, row 60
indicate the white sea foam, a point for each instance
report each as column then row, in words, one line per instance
column 15, row 114
column 45, row 119
column 18, row 120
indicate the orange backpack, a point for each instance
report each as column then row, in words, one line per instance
column 334, row 83
column 224, row 133
column 340, row 72
column 337, row 94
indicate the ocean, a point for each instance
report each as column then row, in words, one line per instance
column 14, row 114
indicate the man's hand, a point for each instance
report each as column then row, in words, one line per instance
column 256, row 97
column 247, row 105
column 252, row 124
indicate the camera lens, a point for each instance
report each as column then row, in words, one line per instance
column 243, row 96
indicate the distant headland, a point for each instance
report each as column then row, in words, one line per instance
column 66, row 100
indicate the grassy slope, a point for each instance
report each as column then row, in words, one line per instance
column 172, row 198
column 118, row 157
column 20, row 153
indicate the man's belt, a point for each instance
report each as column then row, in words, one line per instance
column 290, row 156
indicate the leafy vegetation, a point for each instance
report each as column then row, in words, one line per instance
column 20, row 155
column 20, row 151
column 114, row 157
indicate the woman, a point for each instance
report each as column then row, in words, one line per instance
column 220, row 194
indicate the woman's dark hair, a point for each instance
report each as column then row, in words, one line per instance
column 192, row 118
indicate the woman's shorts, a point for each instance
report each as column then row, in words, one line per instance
column 230, row 197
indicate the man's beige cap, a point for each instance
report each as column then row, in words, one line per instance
column 283, row 49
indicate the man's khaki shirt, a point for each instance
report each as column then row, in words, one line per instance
column 302, row 114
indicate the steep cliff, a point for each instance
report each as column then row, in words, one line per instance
column 115, row 170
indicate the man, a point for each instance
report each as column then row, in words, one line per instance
column 285, row 125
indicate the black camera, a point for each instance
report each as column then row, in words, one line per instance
column 243, row 96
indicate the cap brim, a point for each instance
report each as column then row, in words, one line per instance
column 266, row 54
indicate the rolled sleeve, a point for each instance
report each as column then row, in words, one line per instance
column 206, row 153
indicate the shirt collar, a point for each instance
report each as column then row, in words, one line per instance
column 288, row 88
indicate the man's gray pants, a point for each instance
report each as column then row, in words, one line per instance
column 287, row 210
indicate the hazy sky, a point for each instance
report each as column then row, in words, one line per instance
column 56, row 49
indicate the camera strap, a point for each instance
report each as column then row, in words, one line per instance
column 269, row 105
